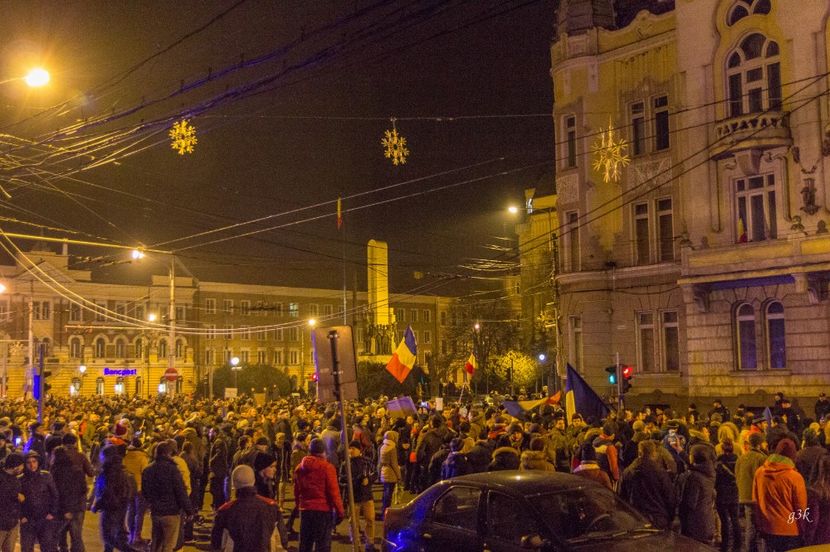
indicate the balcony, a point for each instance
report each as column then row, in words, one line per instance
column 752, row 131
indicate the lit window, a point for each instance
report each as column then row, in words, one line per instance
column 294, row 310
column 757, row 211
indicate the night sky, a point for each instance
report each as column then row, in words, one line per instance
column 290, row 100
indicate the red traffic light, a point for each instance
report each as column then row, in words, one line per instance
column 313, row 376
column 627, row 372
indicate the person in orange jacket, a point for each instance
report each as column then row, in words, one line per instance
column 780, row 497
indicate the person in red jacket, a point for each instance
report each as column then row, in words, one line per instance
column 318, row 495
column 780, row 497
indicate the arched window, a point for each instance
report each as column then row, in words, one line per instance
column 119, row 386
column 120, row 348
column 162, row 348
column 743, row 8
column 745, row 323
column 179, row 348
column 753, row 75
column 99, row 386
column 179, row 385
column 139, row 385
column 100, row 347
column 76, row 347
column 776, row 335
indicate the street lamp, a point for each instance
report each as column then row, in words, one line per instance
column 37, row 77
column 235, row 367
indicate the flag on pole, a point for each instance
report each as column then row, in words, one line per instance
column 517, row 409
column 742, row 237
column 471, row 364
column 339, row 212
column 579, row 397
column 404, row 357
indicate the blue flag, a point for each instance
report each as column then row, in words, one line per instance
column 579, row 397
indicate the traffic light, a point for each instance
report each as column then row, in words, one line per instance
column 612, row 375
column 627, row 375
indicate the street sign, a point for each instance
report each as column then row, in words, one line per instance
column 323, row 363
column 171, row 374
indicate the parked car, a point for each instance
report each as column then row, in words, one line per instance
column 523, row 510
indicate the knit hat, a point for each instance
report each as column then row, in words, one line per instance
column 356, row 445
column 317, row 446
column 262, row 461
column 243, row 476
column 13, row 460
column 587, row 453
column 786, row 447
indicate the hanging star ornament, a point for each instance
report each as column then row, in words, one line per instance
column 394, row 146
column 610, row 155
column 183, row 137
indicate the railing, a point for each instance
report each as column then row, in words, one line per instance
column 753, row 123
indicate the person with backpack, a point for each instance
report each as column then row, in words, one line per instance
column 363, row 477
column 726, row 498
column 456, row 462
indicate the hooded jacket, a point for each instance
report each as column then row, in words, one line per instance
column 10, row 512
column 534, row 460
column 315, row 486
column 41, row 495
column 591, row 470
column 134, row 462
column 504, row 458
column 778, row 490
column 390, row 471
column 745, row 468
column 695, row 501
column 648, row 487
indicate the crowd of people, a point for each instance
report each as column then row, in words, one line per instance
column 740, row 480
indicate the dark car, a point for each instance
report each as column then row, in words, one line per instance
column 523, row 510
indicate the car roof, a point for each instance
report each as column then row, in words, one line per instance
column 529, row 482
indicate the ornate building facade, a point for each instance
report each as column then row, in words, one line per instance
column 697, row 250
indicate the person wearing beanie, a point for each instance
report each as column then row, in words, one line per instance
column 10, row 493
column 249, row 520
column 697, row 495
column 363, row 477
column 588, row 467
column 534, row 457
column 40, row 507
column 114, row 489
column 726, row 497
column 388, row 467
column 318, row 496
column 646, row 485
column 745, row 468
column 265, row 468
column 456, row 462
column 778, row 490
column 163, row 488
column 607, row 451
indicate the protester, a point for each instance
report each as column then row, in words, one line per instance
column 70, row 482
column 10, row 497
column 250, row 519
column 390, row 471
column 815, row 525
column 115, row 488
column 778, row 491
column 164, row 490
column 318, row 496
column 589, row 468
column 726, row 498
column 696, row 497
column 363, row 477
column 645, row 485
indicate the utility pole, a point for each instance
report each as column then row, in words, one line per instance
column 557, row 317
column 30, row 376
column 171, row 339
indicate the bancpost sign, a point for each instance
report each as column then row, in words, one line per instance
column 121, row 372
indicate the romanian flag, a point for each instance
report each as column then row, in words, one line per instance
column 579, row 397
column 339, row 213
column 517, row 409
column 742, row 237
column 404, row 357
column 471, row 364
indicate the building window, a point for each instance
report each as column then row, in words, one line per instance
column 245, row 332
column 776, row 335
column 121, row 309
column 645, row 341
column 328, row 310
column 162, row 352
column 293, row 357
column 570, row 141
column 400, row 315
column 261, row 357
column 278, row 309
column 227, row 306
column 756, row 216
column 277, row 358
column 100, row 347
column 443, row 318
column 76, row 347
column 210, row 306
column 210, row 331
column 575, row 352
column 294, row 310
column 413, row 315
column 245, row 307
column 139, row 348
column 571, row 238
column 210, row 357
column 74, row 313
column 671, row 341
column 100, row 311
column 753, row 74
column 120, row 348
column 227, row 356
column 313, row 309
column 278, row 335
column 638, row 128
column 426, row 315
column 742, row 8
column 41, row 310
column 179, row 348
column 665, row 230
column 99, row 386
column 262, row 335
column 745, row 322
column 293, row 334
column 642, row 238
column 427, row 337
column 244, row 356
column 661, row 123
column 180, row 313
column 139, row 312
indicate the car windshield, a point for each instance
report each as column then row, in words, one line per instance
column 589, row 512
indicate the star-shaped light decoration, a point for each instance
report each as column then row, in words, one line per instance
column 394, row 146
column 610, row 155
column 183, row 137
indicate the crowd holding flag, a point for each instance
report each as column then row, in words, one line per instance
column 404, row 357
column 579, row 397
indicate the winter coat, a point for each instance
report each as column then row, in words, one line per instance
column 592, row 471
column 114, row 487
column 41, row 495
column 250, row 520
column 71, row 485
column 315, row 486
column 815, row 528
column 163, row 488
column 726, row 486
column 778, row 490
column 558, row 448
column 80, row 462
column 331, row 437
column 433, row 473
column 648, row 487
column 504, row 458
column 479, row 457
column 607, row 456
column 455, row 465
column 745, row 468
column 298, row 452
column 535, row 460
column 695, row 499
column 362, row 478
column 390, row 471
column 428, row 444
column 806, row 461
column 218, row 463
column 10, row 512
column 134, row 462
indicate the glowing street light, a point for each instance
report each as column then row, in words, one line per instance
column 512, row 209
column 542, row 357
column 137, row 254
column 235, row 367
column 82, row 368
column 37, row 77
column 152, row 317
